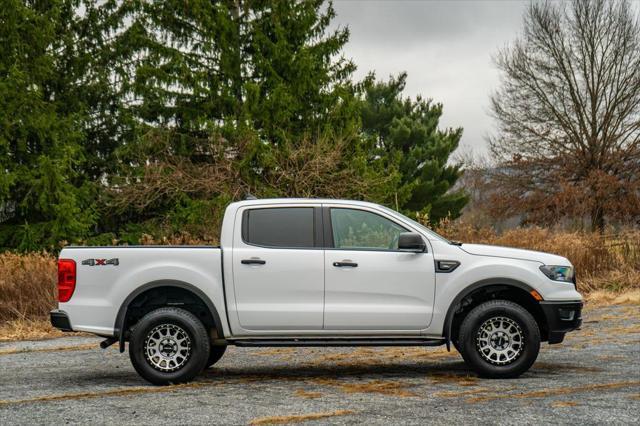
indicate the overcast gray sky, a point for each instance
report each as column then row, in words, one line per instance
column 445, row 47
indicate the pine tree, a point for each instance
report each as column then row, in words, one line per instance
column 295, row 82
column 43, row 195
column 247, row 81
column 270, row 67
column 405, row 134
column 122, row 118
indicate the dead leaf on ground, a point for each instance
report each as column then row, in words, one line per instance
column 296, row 418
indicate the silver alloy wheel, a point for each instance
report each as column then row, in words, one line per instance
column 500, row 340
column 167, row 347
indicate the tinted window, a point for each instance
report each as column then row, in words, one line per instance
column 359, row 229
column 279, row 227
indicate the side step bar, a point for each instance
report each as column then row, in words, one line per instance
column 336, row 342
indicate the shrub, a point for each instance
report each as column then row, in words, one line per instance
column 608, row 263
column 602, row 261
column 27, row 285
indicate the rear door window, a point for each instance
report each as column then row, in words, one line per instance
column 283, row 227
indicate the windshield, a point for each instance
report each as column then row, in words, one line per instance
column 423, row 228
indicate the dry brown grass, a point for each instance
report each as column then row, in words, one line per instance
column 109, row 393
column 297, row 418
column 631, row 329
column 383, row 387
column 609, row 262
column 377, row 386
column 375, row 356
column 457, row 393
column 453, row 378
column 26, row 329
column 555, row 391
column 87, row 346
column 286, row 352
column 301, row 393
column 555, row 367
column 603, row 297
column 561, row 404
column 27, row 286
column 608, row 273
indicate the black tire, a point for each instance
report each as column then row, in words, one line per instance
column 492, row 363
column 215, row 353
column 190, row 361
column 456, row 344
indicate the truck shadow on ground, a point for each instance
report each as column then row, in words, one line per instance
column 391, row 371
column 453, row 370
column 127, row 376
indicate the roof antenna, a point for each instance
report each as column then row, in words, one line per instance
column 250, row 196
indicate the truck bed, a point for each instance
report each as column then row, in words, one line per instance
column 108, row 276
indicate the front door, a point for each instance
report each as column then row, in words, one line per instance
column 369, row 284
column 278, row 269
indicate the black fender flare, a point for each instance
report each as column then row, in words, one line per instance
column 489, row 282
column 118, row 329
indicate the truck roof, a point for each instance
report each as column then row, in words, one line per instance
column 301, row 200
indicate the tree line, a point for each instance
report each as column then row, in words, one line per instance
column 133, row 120
column 567, row 144
column 120, row 119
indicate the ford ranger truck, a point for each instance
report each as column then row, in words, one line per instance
column 308, row 272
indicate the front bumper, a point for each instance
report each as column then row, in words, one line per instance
column 60, row 320
column 561, row 317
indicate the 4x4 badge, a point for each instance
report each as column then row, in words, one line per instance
column 98, row 262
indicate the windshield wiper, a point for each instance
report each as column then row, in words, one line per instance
column 455, row 243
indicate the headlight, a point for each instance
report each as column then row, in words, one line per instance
column 558, row 273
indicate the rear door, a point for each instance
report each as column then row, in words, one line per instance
column 369, row 284
column 278, row 268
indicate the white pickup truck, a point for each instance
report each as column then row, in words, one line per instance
column 307, row 272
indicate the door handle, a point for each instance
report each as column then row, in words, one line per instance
column 341, row 264
column 253, row 261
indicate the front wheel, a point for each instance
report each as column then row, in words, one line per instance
column 169, row 345
column 499, row 339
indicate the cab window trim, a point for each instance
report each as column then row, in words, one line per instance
column 318, row 236
column 328, row 229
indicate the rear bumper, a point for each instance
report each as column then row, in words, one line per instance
column 60, row 320
column 561, row 317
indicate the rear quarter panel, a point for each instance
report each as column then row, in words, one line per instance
column 102, row 289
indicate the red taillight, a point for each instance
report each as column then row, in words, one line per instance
column 66, row 279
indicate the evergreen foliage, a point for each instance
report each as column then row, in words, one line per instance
column 44, row 195
column 405, row 131
column 125, row 118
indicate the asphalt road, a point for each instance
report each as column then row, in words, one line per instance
column 592, row 378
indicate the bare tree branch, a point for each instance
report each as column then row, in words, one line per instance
column 568, row 114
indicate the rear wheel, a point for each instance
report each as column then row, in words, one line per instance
column 215, row 353
column 169, row 345
column 499, row 339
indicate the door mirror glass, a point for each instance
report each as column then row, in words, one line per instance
column 411, row 242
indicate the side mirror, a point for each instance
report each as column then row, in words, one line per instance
column 411, row 242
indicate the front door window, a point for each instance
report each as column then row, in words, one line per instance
column 362, row 230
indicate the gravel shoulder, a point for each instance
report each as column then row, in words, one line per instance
column 592, row 378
